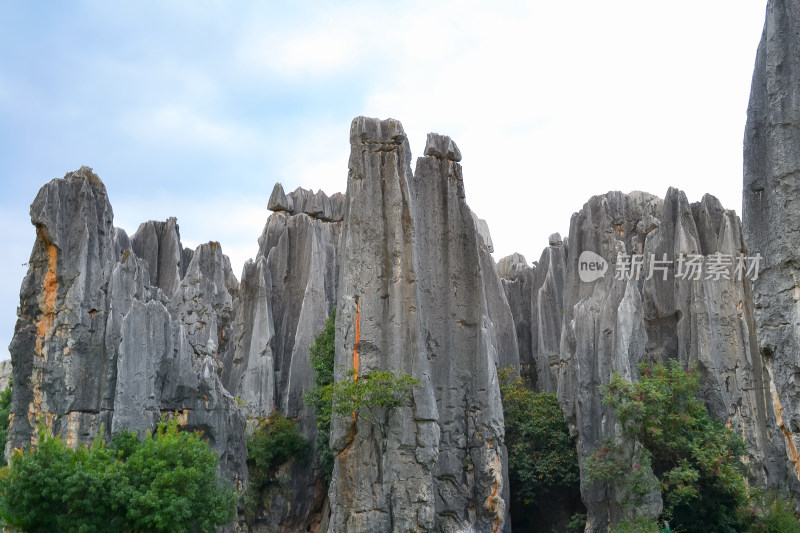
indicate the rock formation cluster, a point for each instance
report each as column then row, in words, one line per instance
column 115, row 332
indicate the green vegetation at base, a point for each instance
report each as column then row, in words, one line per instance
column 695, row 459
column 165, row 482
column 275, row 442
column 5, row 413
column 542, row 458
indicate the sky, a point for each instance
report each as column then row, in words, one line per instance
column 195, row 109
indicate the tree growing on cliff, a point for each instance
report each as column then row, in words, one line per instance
column 322, row 361
column 275, row 442
column 165, row 482
column 371, row 396
column 696, row 459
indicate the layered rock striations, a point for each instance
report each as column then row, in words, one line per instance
column 418, row 293
column 286, row 294
column 771, row 217
column 535, row 295
column 98, row 347
column 654, row 313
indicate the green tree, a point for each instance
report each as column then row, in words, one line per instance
column 56, row 488
column 322, row 361
column 275, row 441
column 371, row 396
column 5, row 413
column 166, row 482
column 173, row 484
column 542, row 457
column 696, row 459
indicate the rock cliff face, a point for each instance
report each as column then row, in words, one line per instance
column 97, row 346
column 415, row 285
column 771, row 217
column 285, row 296
column 613, row 322
column 535, row 295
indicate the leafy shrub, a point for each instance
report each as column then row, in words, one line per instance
column 577, row 523
column 172, row 484
column 166, row 482
column 695, row 458
column 542, row 457
column 321, row 354
column 275, row 442
column 5, row 412
column 541, row 453
column 371, row 396
column 774, row 515
column 639, row 524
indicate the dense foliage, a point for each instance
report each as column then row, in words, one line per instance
column 275, row 442
column 695, row 459
column 541, row 453
column 5, row 413
column 322, row 361
column 542, row 457
column 165, row 482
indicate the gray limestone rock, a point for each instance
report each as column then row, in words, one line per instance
column 159, row 243
column 771, row 217
column 547, row 312
column 285, row 296
column 98, row 346
column 483, row 231
column 516, row 277
column 618, row 320
column 413, row 269
column 5, row 374
column 58, row 350
column 443, row 147
column 277, row 200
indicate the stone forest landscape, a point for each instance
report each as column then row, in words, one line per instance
column 374, row 368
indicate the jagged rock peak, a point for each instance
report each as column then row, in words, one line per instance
column 316, row 205
column 443, row 147
column 377, row 134
column 512, row 267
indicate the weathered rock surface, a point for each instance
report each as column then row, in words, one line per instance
column 98, row 346
column 5, row 374
column 316, row 205
column 614, row 322
column 413, row 268
column 285, row 296
column 771, row 216
column 517, row 277
column 535, row 295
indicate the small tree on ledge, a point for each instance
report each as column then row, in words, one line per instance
column 372, row 396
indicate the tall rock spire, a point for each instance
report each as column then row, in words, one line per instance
column 418, row 293
column 770, row 215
